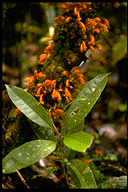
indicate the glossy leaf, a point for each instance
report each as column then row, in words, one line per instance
column 29, row 106
column 27, row 154
column 78, row 141
column 81, row 175
column 68, row 152
column 79, row 109
column 43, row 132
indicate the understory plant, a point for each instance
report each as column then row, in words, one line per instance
column 57, row 98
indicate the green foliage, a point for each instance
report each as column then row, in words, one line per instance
column 76, row 141
column 115, row 183
column 84, row 102
column 27, row 154
column 73, row 138
column 29, row 106
column 81, row 174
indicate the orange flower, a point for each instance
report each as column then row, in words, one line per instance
column 65, row 73
column 35, row 72
column 67, row 83
column 100, row 48
column 42, row 57
column 16, row 111
column 68, row 95
column 97, row 30
column 44, row 92
column 84, row 45
column 106, row 22
column 38, row 92
column 99, row 152
column 81, row 80
column 82, row 25
column 104, row 27
column 75, row 11
column 92, row 48
column 97, row 19
column 75, row 70
column 49, row 47
column 68, row 19
column 47, row 82
column 87, row 161
column 63, row 6
column 30, row 79
column 39, row 84
column 48, row 56
column 81, row 48
column 53, row 82
column 41, row 75
column 84, row 6
column 56, row 95
column 48, row 39
column 92, row 40
column 41, row 99
column 78, row 16
column 60, row 88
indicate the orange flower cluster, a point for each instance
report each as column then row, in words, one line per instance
column 85, row 6
column 58, row 88
column 55, row 91
column 47, row 51
column 36, row 76
column 76, row 17
column 75, row 33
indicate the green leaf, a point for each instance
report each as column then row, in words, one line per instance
column 27, row 154
column 28, row 105
column 78, row 141
column 81, row 175
column 115, row 183
column 43, row 132
column 79, row 109
column 68, row 152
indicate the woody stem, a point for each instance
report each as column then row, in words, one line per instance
column 57, row 132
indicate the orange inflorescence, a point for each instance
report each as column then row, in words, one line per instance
column 75, row 33
column 88, row 28
column 47, row 51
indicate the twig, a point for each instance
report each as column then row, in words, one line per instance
column 22, row 179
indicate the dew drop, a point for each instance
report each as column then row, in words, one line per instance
column 19, row 154
column 33, row 149
column 93, row 89
column 3, row 170
column 27, row 157
column 49, row 148
column 45, row 149
column 28, row 153
column 88, row 103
